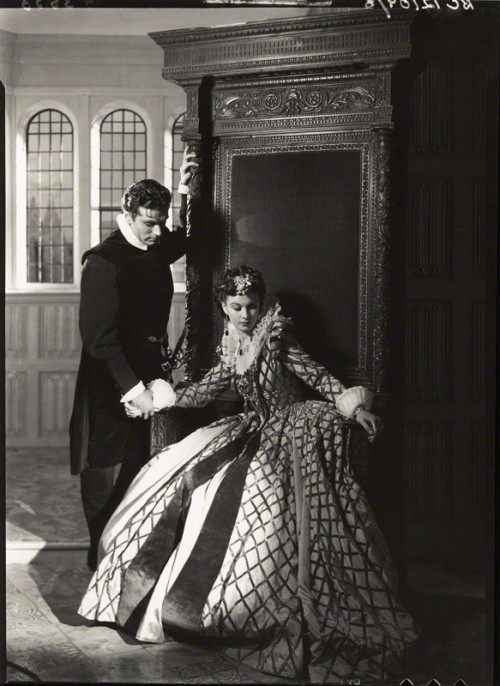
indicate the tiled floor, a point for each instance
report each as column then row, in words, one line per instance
column 47, row 636
column 42, row 497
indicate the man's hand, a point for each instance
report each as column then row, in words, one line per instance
column 187, row 167
column 370, row 422
column 144, row 403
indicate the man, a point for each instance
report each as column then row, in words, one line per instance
column 126, row 294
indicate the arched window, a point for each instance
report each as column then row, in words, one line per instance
column 122, row 160
column 49, row 198
column 179, row 267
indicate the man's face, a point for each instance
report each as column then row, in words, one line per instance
column 148, row 224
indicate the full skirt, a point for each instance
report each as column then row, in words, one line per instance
column 258, row 538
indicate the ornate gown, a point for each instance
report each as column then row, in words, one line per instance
column 253, row 533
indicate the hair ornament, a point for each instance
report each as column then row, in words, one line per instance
column 242, row 283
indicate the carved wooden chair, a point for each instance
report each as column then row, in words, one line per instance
column 292, row 122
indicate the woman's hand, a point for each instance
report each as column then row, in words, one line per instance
column 370, row 422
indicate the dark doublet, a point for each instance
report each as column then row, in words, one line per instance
column 126, row 294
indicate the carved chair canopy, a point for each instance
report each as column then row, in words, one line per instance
column 294, row 113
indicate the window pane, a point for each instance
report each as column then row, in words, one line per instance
column 140, row 163
column 67, row 223
column 122, row 161
column 48, row 261
column 66, row 199
column 128, row 160
column 116, row 198
column 67, row 180
column 105, row 179
column 105, row 160
column 105, row 197
column 128, row 178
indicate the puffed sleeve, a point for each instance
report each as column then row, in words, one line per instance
column 200, row 393
column 99, row 320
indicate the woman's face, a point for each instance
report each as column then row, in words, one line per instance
column 243, row 311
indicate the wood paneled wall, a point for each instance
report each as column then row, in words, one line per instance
column 448, row 226
column 42, row 345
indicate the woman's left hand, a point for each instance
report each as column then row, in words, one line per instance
column 371, row 423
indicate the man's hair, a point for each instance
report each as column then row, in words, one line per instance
column 146, row 193
column 239, row 281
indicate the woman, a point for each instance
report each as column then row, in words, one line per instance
column 253, row 531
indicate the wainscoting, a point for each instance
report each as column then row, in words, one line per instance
column 42, row 346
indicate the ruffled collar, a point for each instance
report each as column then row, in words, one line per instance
column 128, row 234
column 230, row 344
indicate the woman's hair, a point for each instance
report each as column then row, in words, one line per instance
column 146, row 193
column 239, row 281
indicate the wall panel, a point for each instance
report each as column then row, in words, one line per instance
column 428, row 350
column 42, row 356
column 15, row 405
column 428, row 470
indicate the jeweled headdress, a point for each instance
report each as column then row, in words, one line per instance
column 239, row 281
column 242, row 284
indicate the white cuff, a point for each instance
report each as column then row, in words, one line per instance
column 163, row 394
column 352, row 398
column 182, row 188
column 133, row 392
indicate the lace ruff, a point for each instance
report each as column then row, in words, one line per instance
column 228, row 349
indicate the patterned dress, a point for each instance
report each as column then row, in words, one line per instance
column 253, row 533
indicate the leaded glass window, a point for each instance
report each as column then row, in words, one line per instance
column 123, row 146
column 49, row 207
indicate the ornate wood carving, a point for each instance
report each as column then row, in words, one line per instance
column 429, row 245
column 428, row 470
column 428, row 350
column 357, row 37
column 191, row 118
column 193, row 273
column 293, row 100
column 362, row 373
column 305, row 83
column 381, row 263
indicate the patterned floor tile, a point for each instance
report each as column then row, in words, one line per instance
column 46, row 635
column 49, row 655
column 42, row 497
column 81, row 673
